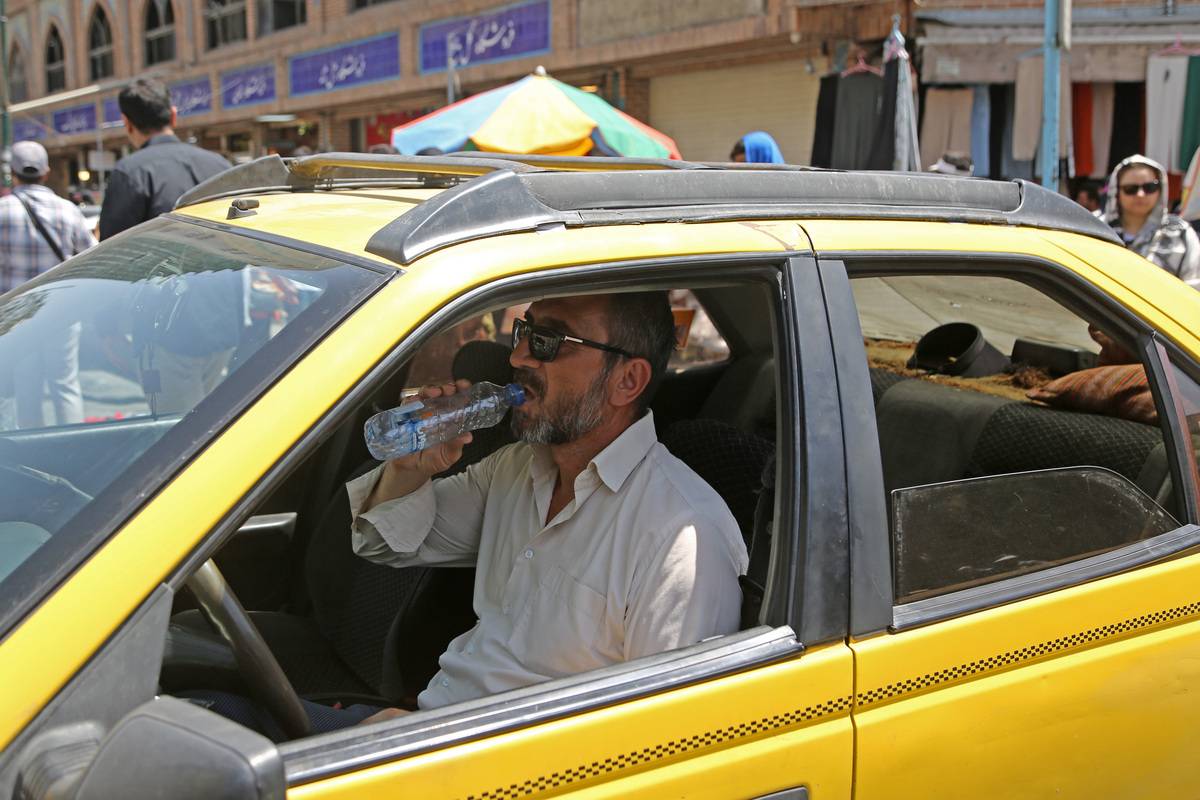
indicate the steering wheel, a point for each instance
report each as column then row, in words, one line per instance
column 257, row 664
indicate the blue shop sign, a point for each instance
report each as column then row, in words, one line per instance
column 76, row 119
column 514, row 31
column 354, row 64
column 245, row 87
column 112, row 111
column 31, row 128
column 192, row 97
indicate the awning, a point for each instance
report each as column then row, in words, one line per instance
column 1107, row 44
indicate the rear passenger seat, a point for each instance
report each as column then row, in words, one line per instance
column 929, row 433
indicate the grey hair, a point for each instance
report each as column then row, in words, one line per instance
column 641, row 323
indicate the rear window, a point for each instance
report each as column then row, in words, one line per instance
column 118, row 366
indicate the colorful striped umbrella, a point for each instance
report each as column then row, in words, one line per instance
column 537, row 114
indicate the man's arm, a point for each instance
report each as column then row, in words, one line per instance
column 401, row 516
column 125, row 205
column 687, row 591
column 81, row 237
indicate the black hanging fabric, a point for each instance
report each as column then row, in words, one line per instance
column 822, row 149
column 998, row 97
column 858, row 99
column 883, row 148
column 1129, row 103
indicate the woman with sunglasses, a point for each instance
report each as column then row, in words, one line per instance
column 1136, row 207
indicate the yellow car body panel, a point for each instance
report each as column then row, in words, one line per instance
column 790, row 725
column 1039, row 698
column 91, row 605
column 1159, row 298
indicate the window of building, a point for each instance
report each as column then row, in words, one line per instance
column 100, row 46
column 225, row 21
column 275, row 15
column 160, row 32
column 18, row 87
column 364, row 3
column 56, row 63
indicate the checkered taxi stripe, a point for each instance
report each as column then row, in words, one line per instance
column 634, row 758
column 1011, row 658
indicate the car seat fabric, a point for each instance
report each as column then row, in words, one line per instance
column 727, row 458
column 1020, row 437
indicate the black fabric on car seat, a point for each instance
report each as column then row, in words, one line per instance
column 728, row 459
column 754, row 582
column 882, row 380
column 1021, row 436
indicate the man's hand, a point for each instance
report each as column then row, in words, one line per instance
column 387, row 713
column 403, row 476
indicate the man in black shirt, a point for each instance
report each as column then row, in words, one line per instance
column 185, row 326
column 147, row 182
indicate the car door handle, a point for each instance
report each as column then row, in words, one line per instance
column 796, row 793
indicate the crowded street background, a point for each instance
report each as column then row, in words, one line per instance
column 949, row 86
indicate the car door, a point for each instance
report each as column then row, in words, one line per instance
column 1070, row 677
column 761, row 712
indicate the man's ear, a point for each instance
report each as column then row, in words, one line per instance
column 632, row 376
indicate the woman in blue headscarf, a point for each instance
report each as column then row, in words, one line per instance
column 757, row 147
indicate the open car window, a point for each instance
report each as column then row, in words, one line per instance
column 118, row 366
column 1015, row 435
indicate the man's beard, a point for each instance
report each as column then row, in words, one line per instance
column 568, row 419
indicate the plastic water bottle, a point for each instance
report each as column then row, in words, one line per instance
column 422, row 423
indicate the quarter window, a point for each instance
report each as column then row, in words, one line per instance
column 100, row 46
column 225, row 21
column 160, row 32
column 56, row 64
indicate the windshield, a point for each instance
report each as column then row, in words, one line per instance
column 118, row 366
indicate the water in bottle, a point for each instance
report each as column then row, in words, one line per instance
column 422, row 423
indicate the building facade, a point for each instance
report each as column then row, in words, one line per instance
column 251, row 77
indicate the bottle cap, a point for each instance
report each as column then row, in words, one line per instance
column 515, row 393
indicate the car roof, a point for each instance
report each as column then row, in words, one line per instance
column 442, row 201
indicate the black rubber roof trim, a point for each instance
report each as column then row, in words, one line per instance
column 510, row 202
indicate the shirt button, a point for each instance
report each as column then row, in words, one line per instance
column 445, row 682
column 529, row 553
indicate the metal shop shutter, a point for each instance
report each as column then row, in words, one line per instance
column 705, row 112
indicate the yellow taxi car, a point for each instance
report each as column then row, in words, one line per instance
column 953, row 590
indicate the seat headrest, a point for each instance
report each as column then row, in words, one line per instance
column 482, row 360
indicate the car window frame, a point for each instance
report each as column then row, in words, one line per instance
column 326, row 755
column 870, row 550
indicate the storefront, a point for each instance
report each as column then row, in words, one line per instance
column 984, row 67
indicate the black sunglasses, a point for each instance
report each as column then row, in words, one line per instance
column 544, row 342
column 1150, row 187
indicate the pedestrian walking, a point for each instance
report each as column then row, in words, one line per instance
column 757, row 147
column 147, row 182
column 1136, row 207
column 39, row 230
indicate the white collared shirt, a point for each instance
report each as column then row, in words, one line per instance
column 645, row 558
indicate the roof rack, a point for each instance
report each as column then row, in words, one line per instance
column 330, row 170
column 507, row 201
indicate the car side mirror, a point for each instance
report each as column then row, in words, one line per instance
column 164, row 748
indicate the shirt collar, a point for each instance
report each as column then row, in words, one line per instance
column 614, row 463
column 161, row 138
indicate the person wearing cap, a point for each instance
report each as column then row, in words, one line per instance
column 148, row 181
column 38, row 230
